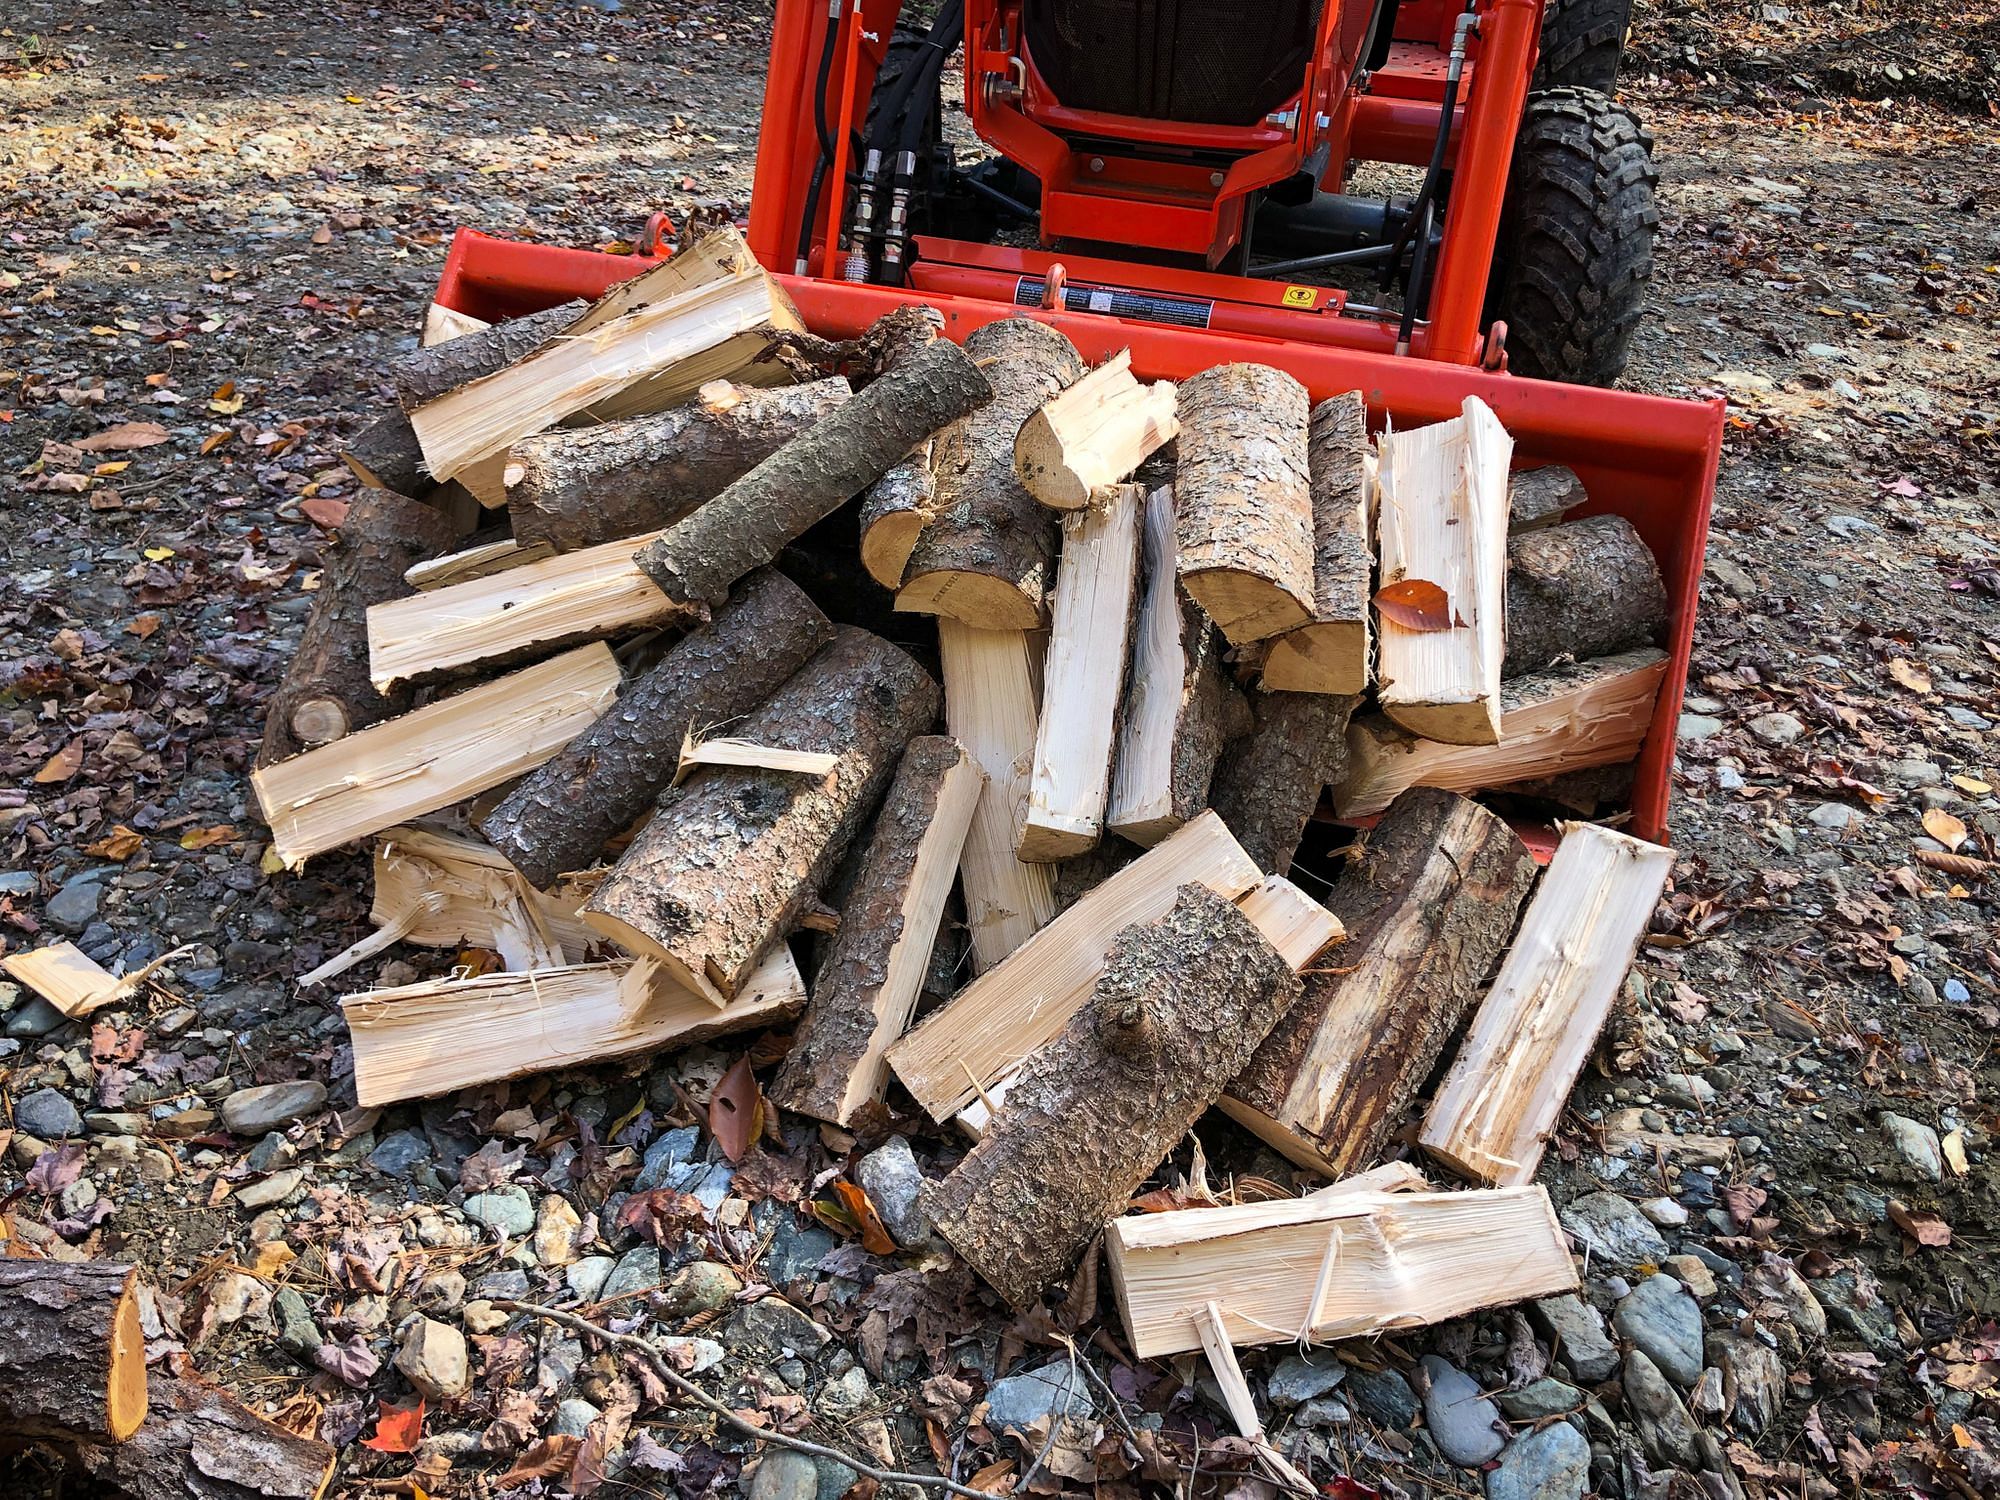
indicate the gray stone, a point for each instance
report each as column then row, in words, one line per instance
column 1298, row 1379
column 1836, row 817
column 785, row 1475
column 1463, row 1423
column 1856, row 1304
column 637, row 1271
column 891, row 1178
column 1660, row 1318
column 672, row 1150
column 399, row 1153
column 1693, row 1273
column 270, row 1191
column 573, row 1418
column 1547, row 1397
column 1778, row 728
column 586, row 1277
column 1665, row 1427
column 1024, row 1400
column 47, row 1115
column 503, row 1285
column 70, row 909
column 796, row 1250
column 698, row 1287
column 431, row 1356
column 835, row 1478
column 1550, row 1463
column 441, row 1290
column 271, row 1106
column 692, row 1356
column 1753, row 1380
column 1698, row 726
column 33, row 1019
column 847, row 1394
column 1664, row 1212
column 1851, row 526
column 1324, row 1411
column 773, row 1326
column 1917, row 1144
column 1577, row 1331
column 1613, row 1231
column 1382, row 1396
column 505, row 1210
column 298, row 1334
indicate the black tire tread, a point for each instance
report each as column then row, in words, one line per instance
column 1583, row 41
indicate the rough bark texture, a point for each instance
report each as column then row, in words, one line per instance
column 385, row 456
column 1267, row 784
column 574, row 487
column 814, row 474
column 326, row 692
column 1580, row 590
column 426, row 374
column 1429, row 905
column 72, row 1356
column 1538, row 497
column 564, row 813
column 199, row 1443
column 1181, row 1004
column 734, row 856
column 894, row 513
column 1337, row 459
column 988, row 557
column 1244, row 501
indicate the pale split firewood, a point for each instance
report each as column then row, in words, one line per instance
column 988, row 557
column 731, row 860
column 732, row 751
column 439, row 754
column 562, row 816
column 866, row 991
column 1539, row 497
column 480, row 561
column 420, row 1040
column 1242, row 1407
column 1390, row 1177
column 1330, row 653
column 1017, row 1007
column 1180, row 1001
column 65, row 976
column 813, row 474
column 1267, row 785
column 573, row 487
column 1578, row 590
column 72, row 1355
column 1428, row 906
column 1569, row 718
column 1535, row 1028
column 443, row 365
column 1328, row 1267
column 1083, row 677
column 1443, row 521
column 894, row 513
column 1093, row 432
column 459, row 891
column 1291, row 921
column 443, row 324
column 486, row 480
column 1180, row 707
column 992, row 704
column 1244, row 500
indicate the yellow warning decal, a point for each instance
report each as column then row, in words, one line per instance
column 1300, row 296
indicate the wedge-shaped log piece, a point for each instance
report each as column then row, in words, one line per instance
column 1327, row 1267
column 443, row 324
column 894, row 513
column 1291, row 921
column 72, row 1355
column 1018, row 1007
column 1444, row 523
column 1330, row 653
column 1268, row 784
column 433, row 757
column 733, row 859
column 561, row 817
column 867, row 990
column 1242, row 489
column 1083, row 677
column 1180, row 706
column 67, row 977
column 1181, row 1001
column 1428, row 908
column 1593, row 713
column 992, row 703
column 479, row 561
column 432, row 1038
column 458, row 892
column 1539, row 497
column 1552, row 996
column 1093, row 433
column 1582, row 589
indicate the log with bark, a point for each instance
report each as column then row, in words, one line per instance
column 573, row 487
column 1181, row 1003
column 1093, row 433
column 1268, row 784
column 894, row 513
column 1330, row 653
column 562, row 816
column 1244, row 497
column 384, row 456
column 866, row 992
column 326, row 691
column 733, row 859
column 1578, row 590
column 444, row 365
column 72, row 1356
column 813, row 474
column 1539, row 497
column 1428, row 906
column 988, row 556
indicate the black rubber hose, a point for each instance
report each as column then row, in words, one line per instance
column 1434, row 173
column 938, row 45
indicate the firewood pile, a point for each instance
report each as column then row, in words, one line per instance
column 606, row 667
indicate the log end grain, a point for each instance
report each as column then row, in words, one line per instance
column 1330, row 657
column 981, row 600
column 1244, row 606
column 1475, row 722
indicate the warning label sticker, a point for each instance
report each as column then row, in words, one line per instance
column 1300, row 296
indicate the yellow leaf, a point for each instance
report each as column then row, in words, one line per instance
column 103, row 332
column 271, row 863
column 120, row 843
column 228, row 408
column 158, row 554
column 118, row 466
column 1943, row 827
column 353, row 99
column 202, row 838
column 272, row 1257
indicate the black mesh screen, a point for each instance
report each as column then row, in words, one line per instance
column 1224, row 62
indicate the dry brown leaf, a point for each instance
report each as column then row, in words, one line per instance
column 1921, row 1226
column 1416, row 604
column 1962, row 866
column 549, row 1457
column 120, row 843
column 64, row 764
column 124, row 437
column 1943, row 827
column 736, row 1110
column 1910, row 675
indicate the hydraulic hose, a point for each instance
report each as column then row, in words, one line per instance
column 1422, row 212
column 825, row 139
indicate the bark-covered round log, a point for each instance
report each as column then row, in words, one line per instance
column 72, row 1355
column 1267, row 784
column 1579, row 590
column 199, row 1443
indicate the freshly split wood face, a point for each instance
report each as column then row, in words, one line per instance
column 1094, row 433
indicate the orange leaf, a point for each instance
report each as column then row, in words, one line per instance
column 1925, row 1228
column 549, row 1457
column 1910, row 675
column 215, row 440
column 120, row 843
column 64, row 764
column 397, row 1428
column 143, row 626
column 330, row 514
column 1943, row 827
column 1416, row 604
column 202, row 838
column 736, row 1110
column 875, row 1239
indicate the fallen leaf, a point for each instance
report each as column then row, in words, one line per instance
column 120, row 843
column 124, row 437
column 736, row 1110
column 1943, row 827
column 203, row 838
column 64, row 764
column 1972, row 786
column 158, row 554
column 1953, row 1146
column 1910, row 675
column 329, row 514
column 143, row 626
column 551, row 1456
column 397, row 1428
column 875, row 1239
column 215, row 440
column 56, row 1168
column 1963, row 866
column 1922, row 1227
column 1416, row 604
column 106, row 470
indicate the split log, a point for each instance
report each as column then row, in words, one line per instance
column 866, row 992
column 449, row 891
column 326, row 691
column 1244, row 496
column 1268, row 784
column 988, row 557
column 1501, row 1099
column 1181, row 1002
column 1180, row 707
column 1018, row 1007
column 1582, row 589
column 406, row 767
column 67, row 977
column 1084, row 674
column 1428, row 907
column 1444, row 522
column 563, row 815
column 385, row 456
column 443, row 324
column 1332, row 1266
column 422, row 1040
column 573, row 487
column 1570, row 718
column 481, row 560
column 992, row 705
column 1539, row 497
column 732, row 860
column 441, row 367
column 1291, row 921
column 894, row 513
column 72, row 1356
column 814, row 474
column 1094, row 432
column 1329, row 654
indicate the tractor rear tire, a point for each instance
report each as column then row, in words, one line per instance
column 1576, row 238
column 1583, row 42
